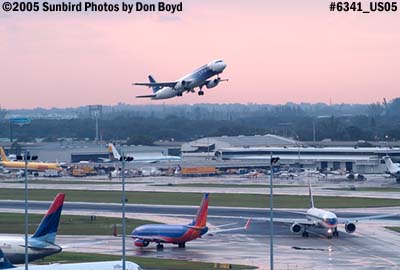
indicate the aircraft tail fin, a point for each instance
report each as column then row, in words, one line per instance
column 3, row 154
column 48, row 227
column 310, row 194
column 393, row 168
column 4, row 262
column 202, row 212
column 155, row 88
column 113, row 152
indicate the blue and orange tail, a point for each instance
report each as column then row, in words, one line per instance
column 47, row 229
column 201, row 217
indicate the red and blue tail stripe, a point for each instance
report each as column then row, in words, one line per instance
column 48, row 227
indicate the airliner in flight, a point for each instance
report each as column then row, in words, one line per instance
column 393, row 168
column 179, row 234
column 201, row 77
column 319, row 218
column 42, row 243
column 107, row 265
column 31, row 166
column 150, row 158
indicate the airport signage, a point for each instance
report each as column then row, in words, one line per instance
column 20, row 121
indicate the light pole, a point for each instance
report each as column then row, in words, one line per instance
column 123, row 213
column 25, row 158
column 314, row 131
column 123, row 199
column 26, row 209
column 273, row 160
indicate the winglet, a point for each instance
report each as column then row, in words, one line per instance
column 48, row 227
column 4, row 262
column 115, row 230
column 247, row 224
column 310, row 194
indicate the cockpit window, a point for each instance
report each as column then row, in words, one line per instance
column 331, row 221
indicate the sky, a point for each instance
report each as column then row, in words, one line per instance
column 276, row 52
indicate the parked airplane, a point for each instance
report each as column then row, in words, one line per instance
column 110, row 265
column 151, row 158
column 393, row 168
column 198, row 78
column 32, row 165
column 42, row 243
column 319, row 218
column 178, row 234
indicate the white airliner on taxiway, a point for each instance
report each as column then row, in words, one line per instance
column 320, row 218
column 198, row 78
column 110, row 265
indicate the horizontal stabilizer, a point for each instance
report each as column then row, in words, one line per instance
column 146, row 96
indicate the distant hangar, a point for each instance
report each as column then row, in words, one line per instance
column 291, row 153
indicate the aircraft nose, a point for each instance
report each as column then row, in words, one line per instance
column 219, row 67
column 223, row 65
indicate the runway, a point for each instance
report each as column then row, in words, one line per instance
column 239, row 213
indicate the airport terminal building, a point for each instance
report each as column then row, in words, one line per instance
column 291, row 153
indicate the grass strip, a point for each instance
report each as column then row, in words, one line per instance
column 211, row 185
column 69, row 224
column 395, row 229
column 372, row 189
column 217, row 199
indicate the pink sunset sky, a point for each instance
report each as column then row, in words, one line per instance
column 276, row 51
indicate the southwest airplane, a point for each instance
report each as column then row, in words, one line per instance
column 320, row 218
column 140, row 158
column 393, row 168
column 178, row 234
column 198, row 78
column 31, row 166
column 110, row 265
column 41, row 243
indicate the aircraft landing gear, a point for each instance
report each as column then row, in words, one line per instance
column 160, row 246
column 201, row 93
column 305, row 234
column 179, row 94
column 335, row 233
column 182, row 245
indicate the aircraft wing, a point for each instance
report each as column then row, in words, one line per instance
column 218, row 230
column 304, row 222
column 158, row 84
column 146, row 96
column 84, row 244
column 149, row 238
column 357, row 219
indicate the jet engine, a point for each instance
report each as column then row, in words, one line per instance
column 182, row 85
column 141, row 243
column 212, row 83
column 295, row 228
column 350, row 227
